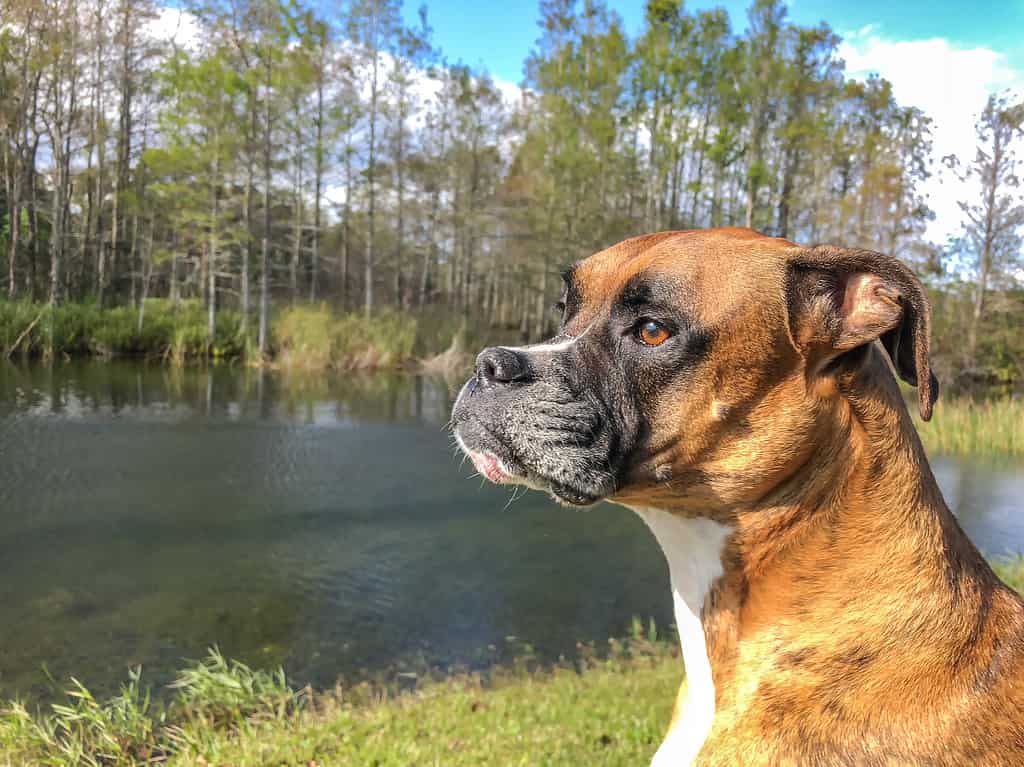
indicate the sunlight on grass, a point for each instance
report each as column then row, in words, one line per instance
column 986, row 428
column 609, row 706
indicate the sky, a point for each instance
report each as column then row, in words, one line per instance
column 943, row 56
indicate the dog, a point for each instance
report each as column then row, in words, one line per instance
column 737, row 392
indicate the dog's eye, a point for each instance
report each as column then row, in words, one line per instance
column 652, row 333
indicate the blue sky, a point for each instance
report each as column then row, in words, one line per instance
column 499, row 35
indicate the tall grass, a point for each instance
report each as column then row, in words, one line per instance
column 302, row 336
column 964, row 426
column 172, row 331
column 130, row 730
column 315, row 338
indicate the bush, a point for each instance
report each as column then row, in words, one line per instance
column 168, row 330
column 313, row 338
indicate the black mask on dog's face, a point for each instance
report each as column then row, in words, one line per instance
column 566, row 416
column 554, row 416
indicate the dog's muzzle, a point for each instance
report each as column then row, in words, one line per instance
column 523, row 419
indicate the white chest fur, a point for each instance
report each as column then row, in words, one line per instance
column 693, row 548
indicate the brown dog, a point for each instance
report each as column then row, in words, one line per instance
column 727, row 387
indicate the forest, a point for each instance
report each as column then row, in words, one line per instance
column 269, row 165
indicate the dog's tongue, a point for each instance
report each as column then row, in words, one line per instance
column 488, row 466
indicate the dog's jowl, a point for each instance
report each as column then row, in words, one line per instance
column 738, row 393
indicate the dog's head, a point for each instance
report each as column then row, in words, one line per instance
column 691, row 368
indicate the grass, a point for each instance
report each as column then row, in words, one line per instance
column 302, row 337
column 224, row 713
column 984, row 428
column 1012, row 572
column 606, row 708
column 175, row 332
column 314, row 338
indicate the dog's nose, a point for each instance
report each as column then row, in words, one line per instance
column 501, row 365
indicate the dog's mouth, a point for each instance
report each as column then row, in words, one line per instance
column 490, row 466
column 553, row 444
column 508, row 471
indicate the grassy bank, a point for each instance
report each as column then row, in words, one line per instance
column 607, row 708
column 307, row 337
column 317, row 338
column 174, row 332
column 983, row 428
column 224, row 713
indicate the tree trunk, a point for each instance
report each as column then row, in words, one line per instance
column 371, row 169
column 263, row 340
column 314, row 275
column 400, row 191
column 248, row 252
column 211, row 299
column 293, row 267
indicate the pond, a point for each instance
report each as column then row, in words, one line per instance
column 318, row 522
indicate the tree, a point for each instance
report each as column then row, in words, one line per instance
column 992, row 229
column 374, row 25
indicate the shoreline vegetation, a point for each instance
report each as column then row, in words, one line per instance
column 314, row 339
column 222, row 712
column 302, row 337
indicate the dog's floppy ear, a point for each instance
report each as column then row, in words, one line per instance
column 840, row 299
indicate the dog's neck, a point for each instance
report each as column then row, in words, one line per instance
column 850, row 576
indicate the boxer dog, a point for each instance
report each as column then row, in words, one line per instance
column 737, row 392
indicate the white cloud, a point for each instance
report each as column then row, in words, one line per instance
column 950, row 84
column 175, row 26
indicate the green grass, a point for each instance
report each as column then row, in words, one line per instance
column 224, row 713
column 168, row 331
column 315, row 338
column 984, row 428
column 607, row 708
column 1012, row 572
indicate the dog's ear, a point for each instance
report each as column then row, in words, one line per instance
column 839, row 300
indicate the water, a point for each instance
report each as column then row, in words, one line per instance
column 321, row 522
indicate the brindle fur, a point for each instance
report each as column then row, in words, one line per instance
column 855, row 624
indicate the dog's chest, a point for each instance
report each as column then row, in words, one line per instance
column 693, row 549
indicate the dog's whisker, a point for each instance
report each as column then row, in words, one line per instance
column 514, row 497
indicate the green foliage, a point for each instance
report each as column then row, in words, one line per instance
column 964, row 426
column 129, row 730
column 999, row 356
column 315, row 338
column 224, row 712
column 177, row 332
column 216, row 691
column 1011, row 571
column 123, row 731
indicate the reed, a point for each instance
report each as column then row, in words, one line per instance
column 967, row 427
column 314, row 338
column 172, row 331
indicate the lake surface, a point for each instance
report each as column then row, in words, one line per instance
column 322, row 523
